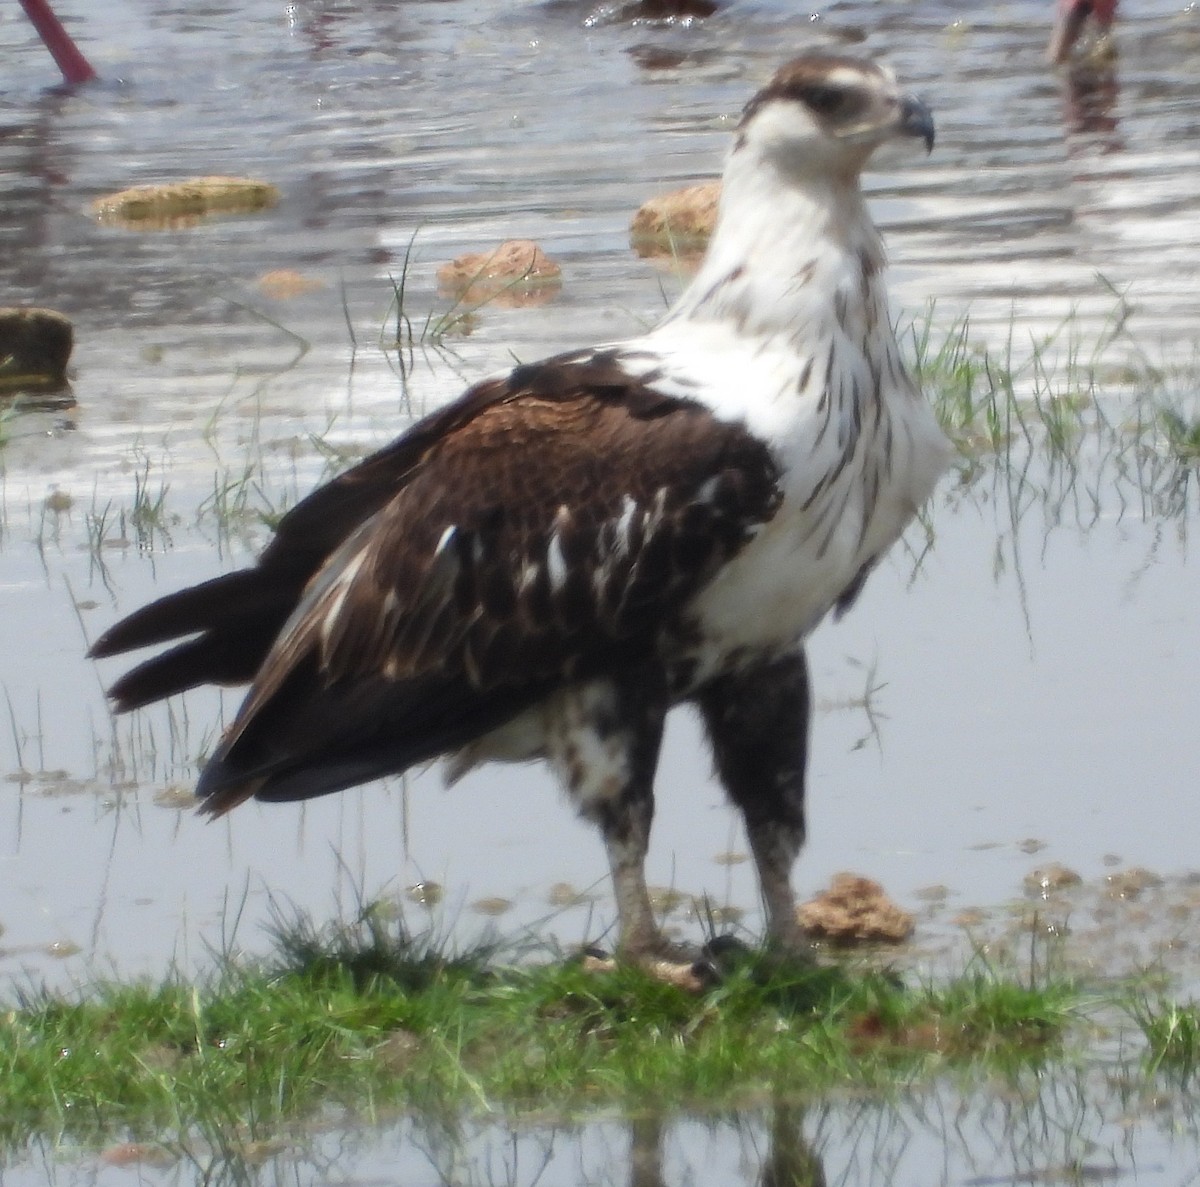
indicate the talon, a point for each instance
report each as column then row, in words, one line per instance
column 721, row 955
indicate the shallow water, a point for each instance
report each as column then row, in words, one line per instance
column 1033, row 670
column 1034, row 1130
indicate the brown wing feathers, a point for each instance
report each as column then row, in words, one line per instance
column 547, row 527
column 241, row 613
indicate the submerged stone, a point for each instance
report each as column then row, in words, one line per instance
column 176, row 796
column 1050, row 879
column 35, row 347
column 428, row 894
column 517, row 272
column 493, row 905
column 137, row 1153
column 285, row 284
column 563, row 894
column 177, row 204
column 676, row 224
column 1130, row 883
column 854, row 910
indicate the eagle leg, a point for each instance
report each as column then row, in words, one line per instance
column 604, row 743
column 758, row 720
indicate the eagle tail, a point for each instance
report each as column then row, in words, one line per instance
column 234, row 619
column 310, row 739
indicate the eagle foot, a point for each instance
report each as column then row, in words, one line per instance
column 694, row 970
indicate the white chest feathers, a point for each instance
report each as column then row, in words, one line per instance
column 859, row 451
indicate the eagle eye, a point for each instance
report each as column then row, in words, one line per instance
column 824, row 99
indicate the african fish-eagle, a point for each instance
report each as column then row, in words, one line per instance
column 544, row 567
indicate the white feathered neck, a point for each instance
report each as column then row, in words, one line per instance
column 792, row 245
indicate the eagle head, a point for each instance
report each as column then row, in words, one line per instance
column 822, row 115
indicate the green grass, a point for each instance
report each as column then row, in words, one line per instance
column 1172, row 1031
column 1046, row 395
column 1181, row 434
column 1076, row 431
column 363, row 1020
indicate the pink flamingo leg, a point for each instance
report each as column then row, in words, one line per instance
column 74, row 66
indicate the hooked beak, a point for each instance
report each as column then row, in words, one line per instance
column 916, row 120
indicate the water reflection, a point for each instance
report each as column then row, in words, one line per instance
column 1091, row 91
column 1032, row 1127
column 37, row 164
column 1036, row 1129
